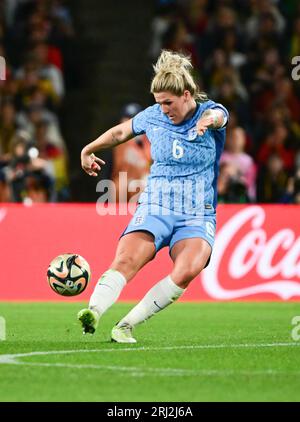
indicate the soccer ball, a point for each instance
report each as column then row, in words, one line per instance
column 68, row 274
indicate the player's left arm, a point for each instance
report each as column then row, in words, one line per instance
column 211, row 119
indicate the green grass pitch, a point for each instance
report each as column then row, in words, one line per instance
column 190, row 352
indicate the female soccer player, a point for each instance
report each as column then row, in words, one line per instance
column 178, row 206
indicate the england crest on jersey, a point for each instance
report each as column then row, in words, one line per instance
column 192, row 134
column 139, row 219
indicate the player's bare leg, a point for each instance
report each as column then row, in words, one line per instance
column 190, row 257
column 133, row 252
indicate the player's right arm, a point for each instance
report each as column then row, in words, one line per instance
column 111, row 138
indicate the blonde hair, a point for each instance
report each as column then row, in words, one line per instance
column 173, row 74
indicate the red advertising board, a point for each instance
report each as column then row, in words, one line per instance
column 256, row 254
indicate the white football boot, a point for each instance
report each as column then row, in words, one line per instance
column 122, row 334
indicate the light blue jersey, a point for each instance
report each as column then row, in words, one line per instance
column 184, row 172
column 180, row 198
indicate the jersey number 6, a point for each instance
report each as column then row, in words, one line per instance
column 177, row 149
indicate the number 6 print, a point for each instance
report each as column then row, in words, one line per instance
column 177, row 149
column 210, row 228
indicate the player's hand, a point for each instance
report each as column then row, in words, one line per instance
column 203, row 124
column 91, row 164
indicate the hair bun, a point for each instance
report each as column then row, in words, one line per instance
column 170, row 62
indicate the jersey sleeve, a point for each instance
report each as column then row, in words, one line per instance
column 213, row 106
column 225, row 111
column 140, row 122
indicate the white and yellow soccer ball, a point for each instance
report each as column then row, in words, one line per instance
column 68, row 274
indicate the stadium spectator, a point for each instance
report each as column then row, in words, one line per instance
column 8, row 128
column 295, row 188
column 264, row 17
column 231, row 186
column 294, row 43
column 233, row 95
column 56, row 160
column 195, row 16
column 28, row 80
column 177, row 38
column 236, row 156
column 32, row 115
column 38, row 72
column 47, row 70
column 230, row 46
column 277, row 142
column 166, row 15
column 272, row 181
column 4, row 188
column 29, row 175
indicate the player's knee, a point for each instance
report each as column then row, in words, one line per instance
column 183, row 277
column 125, row 263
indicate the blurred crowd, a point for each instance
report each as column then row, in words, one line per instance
column 34, row 36
column 242, row 52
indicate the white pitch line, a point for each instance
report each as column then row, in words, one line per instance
column 165, row 372
column 140, row 371
column 6, row 358
column 132, row 370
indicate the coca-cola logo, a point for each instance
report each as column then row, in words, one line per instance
column 250, row 258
